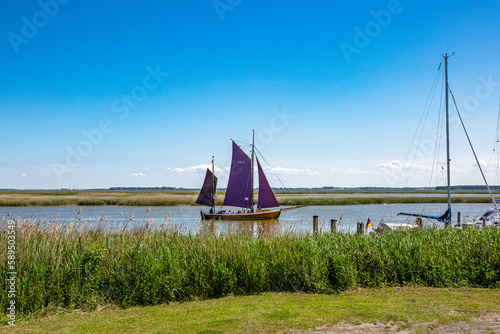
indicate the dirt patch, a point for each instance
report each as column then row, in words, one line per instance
column 486, row 324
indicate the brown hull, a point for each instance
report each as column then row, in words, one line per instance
column 260, row 215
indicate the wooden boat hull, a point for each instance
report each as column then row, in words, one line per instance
column 259, row 215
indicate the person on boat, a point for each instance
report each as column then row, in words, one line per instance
column 211, row 210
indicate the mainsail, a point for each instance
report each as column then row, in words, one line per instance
column 207, row 192
column 266, row 195
column 446, row 217
column 239, row 188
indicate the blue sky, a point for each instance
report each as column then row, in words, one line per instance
column 96, row 94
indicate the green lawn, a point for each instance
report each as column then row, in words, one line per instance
column 272, row 312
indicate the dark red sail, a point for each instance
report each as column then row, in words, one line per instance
column 207, row 192
column 239, row 186
column 266, row 195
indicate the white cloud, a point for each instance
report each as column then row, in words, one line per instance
column 398, row 165
column 198, row 169
column 23, row 175
column 146, row 169
column 280, row 171
column 348, row 171
column 394, row 164
column 292, row 171
column 136, row 174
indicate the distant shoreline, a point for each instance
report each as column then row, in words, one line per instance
column 17, row 198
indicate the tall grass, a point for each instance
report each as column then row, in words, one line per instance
column 76, row 267
column 353, row 200
column 188, row 197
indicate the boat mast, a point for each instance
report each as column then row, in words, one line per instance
column 447, row 129
column 213, row 185
column 253, row 155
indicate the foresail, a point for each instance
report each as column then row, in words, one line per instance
column 266, row 195
column 207, row 192
column 239, row 189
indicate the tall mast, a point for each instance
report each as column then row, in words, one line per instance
column 213, row 184
column 447, row 129
column 253, row 155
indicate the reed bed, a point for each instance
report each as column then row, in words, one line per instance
column 77, row 267
column 363, row 200
column 97, row 197
column 188, row 197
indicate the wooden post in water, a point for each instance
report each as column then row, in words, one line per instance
column 419, row 221
column 484, row 222
column 315, row 224
column 333, row 226
column 361, row 228
column 459, row 218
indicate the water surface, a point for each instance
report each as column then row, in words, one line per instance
column 186, row 219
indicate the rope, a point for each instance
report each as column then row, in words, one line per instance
column 434, row 168
column 497, row 138
column 272, row 170
column 430, row 97
column 474, row 152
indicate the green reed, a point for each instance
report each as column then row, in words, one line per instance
column 325, row 200
column 72, row 266
column 188, row 197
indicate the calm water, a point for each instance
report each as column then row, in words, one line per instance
column 386, row 195
column 187, row 218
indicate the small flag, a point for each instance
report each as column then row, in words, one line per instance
column 368, row 223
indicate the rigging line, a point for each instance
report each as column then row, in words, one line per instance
column 433, row 93
column 242, row 144
column 494, row 152
column 416, row 130
column 496, row 141
column 434, row 166
column 489, row 160
column 268, row 165
column 438, row 137
column 474, row 152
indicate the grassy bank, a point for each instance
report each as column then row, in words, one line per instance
column 77, row 268
column 418, row 309
column 188, row 197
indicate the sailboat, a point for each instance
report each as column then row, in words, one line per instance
column 446, row 217
column 239, row 191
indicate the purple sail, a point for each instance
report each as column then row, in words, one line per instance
column 239, row 187
column 266, row 195
column 207, row 192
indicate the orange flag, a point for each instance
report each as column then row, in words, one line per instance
column 368, row 223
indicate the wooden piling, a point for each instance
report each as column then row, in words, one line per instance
column 361, row 228
column 484, row 222
column 459, row 219
column 419, row 221
column 315, row 224
column 333, row 226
